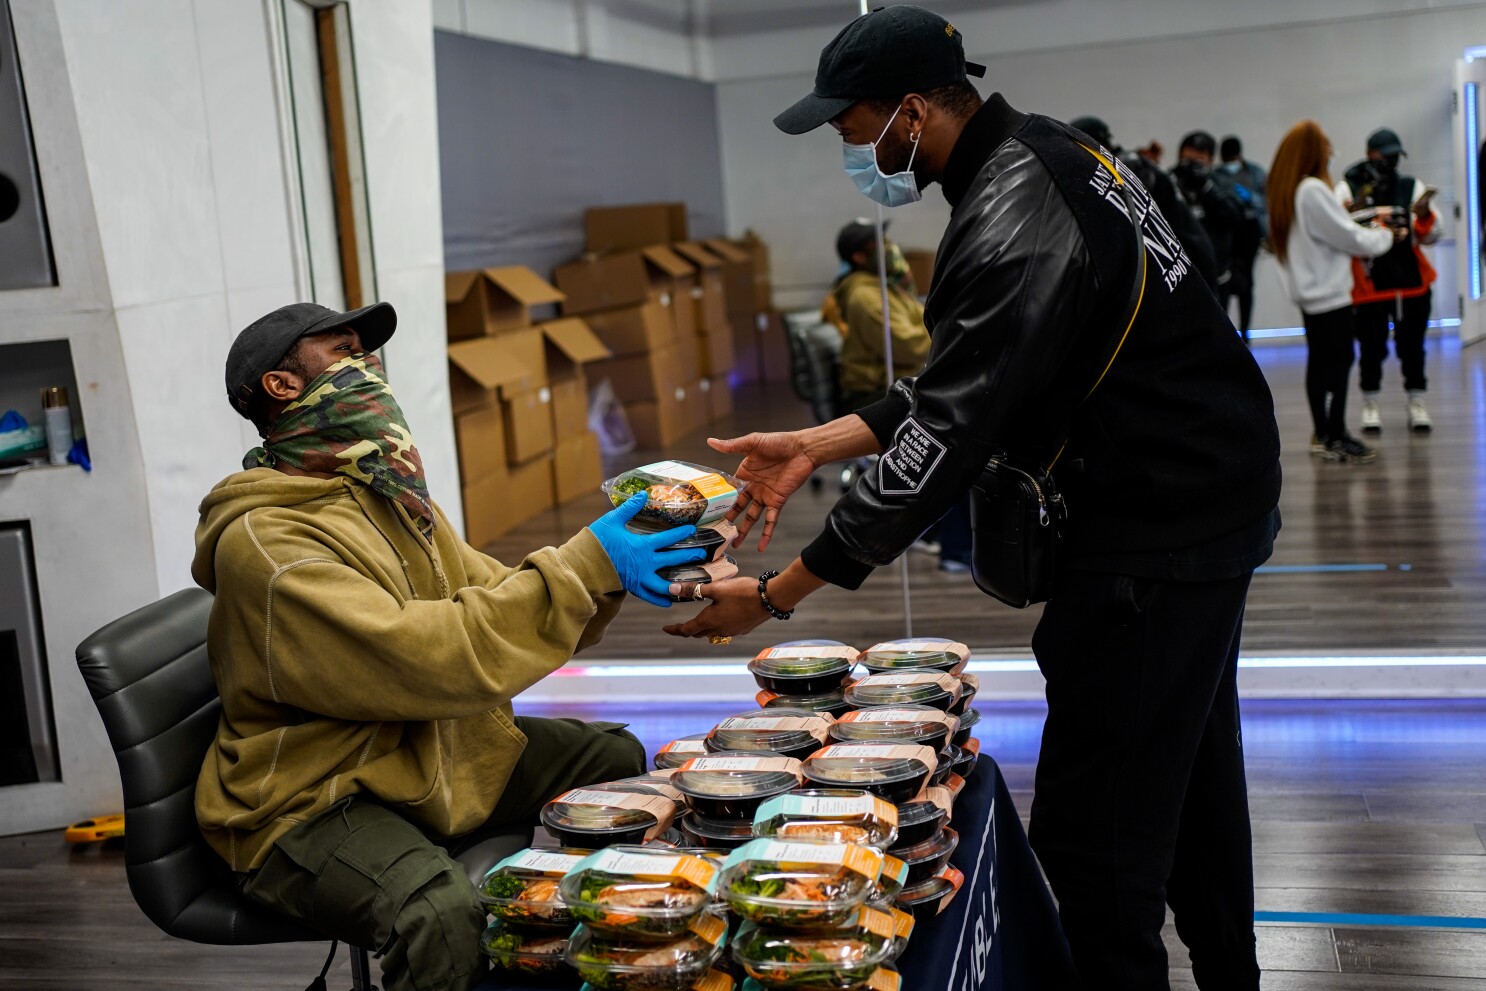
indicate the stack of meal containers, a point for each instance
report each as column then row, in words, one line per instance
column 805, row 674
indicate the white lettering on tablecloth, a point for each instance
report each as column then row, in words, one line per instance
column 983, row 916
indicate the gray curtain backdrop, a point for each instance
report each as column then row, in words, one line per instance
column 528, row 140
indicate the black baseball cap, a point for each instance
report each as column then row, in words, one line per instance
column 888, row 52
column 855, row 237
column 263, row 344
column 1385, row 141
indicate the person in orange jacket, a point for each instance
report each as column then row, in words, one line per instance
column 1394, row 289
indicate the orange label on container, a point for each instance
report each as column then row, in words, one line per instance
column 970, row 681
column 788, row 764
column 940, row 796
column 955, row 784
column 659, row 806
column 877, row 922
column 955, row 879
column 693, row 869
column 799, row 653
column 885, row 980
column 709, row 927
column 684, row 747
column 889, row 715
column 944, row 680
column 902, row 923
column 896, row 751
column 863, row 860
column 713, row 980
column 816, row 726
column 972, row 745
column 764, row 697
column 948, row 646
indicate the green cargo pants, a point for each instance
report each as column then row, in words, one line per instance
column 360, row 873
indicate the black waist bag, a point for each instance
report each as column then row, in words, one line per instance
column 1016, row 515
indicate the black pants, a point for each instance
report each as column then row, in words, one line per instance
column 1141, row 800
column 1329, row 354
column 1241, row 285
column 1409, row 319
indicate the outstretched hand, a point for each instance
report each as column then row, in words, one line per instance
column 774, row 465
column 735, row 609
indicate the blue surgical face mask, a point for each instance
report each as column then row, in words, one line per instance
column 889, row 190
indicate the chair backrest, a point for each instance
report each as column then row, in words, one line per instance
column 815, row 360
column 149, row 675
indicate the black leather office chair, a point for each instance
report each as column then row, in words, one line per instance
column 149, row 675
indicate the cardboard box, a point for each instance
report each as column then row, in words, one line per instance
column 490, row 300
column 763, row 286
column 660, row 422
column 571, row 345
column 577, row 467
column 638, row 377
column 593, row 283
column 486, row 368
column 921, row 264
column 672, row 281
column 529, row 429
column 717, row 349
column 499, row 502
column 717, row 397
column 709, row 296
column 480, row 436
column 737, row 275
column 569, row 407
column 689, row 356
column 634, row 329
column 617, row 228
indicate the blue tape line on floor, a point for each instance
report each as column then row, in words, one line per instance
column 1319, row 569
column 1364, row 919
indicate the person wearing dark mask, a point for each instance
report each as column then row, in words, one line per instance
column 1159, row 184
column 1250, row 178
column 367, row 657
column 1393, row 291
column 857, row 295
column 1215, row 201
column 1058, row 325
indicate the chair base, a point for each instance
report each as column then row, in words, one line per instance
column 361, row 970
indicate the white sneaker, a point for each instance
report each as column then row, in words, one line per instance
column 1418, row 415
column 1317, row 446
column 1372, row 418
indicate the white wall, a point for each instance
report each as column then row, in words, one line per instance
column 1254, row 81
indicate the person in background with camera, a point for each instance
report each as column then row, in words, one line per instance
column 1215, row 201
column 1315, row 241
column 1170, row 472
column 1250, row 178
column 1392, row 290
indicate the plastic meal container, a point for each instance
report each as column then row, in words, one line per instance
column 919, row 821
column 787, row 732
column 833, row 703
column 639, row 893
column 608, row 963
column 969, row 719
column 925, row 859
column 944, row 764
column 687, row 580
column 733, row 784
column 679, row 493
column 963, row 760
column 798, row 885
column 521, row 891
column 716, row 835
column 928, row 898
column 538, row 956
column 922, row 724
column 969, row 688
column 711, row 538
column 842, row 959
column 891, row 880
column 829, row 815
column 681, row 750
column 601, row 815
column 882, row 979
column 803, row 667
column 892, row 771
column 935, row 688
column 920, row 652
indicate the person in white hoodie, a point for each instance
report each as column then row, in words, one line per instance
column 1316, row 239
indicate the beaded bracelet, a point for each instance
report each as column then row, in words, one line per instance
column 763, row 595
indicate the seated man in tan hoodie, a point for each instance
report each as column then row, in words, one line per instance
column 857, row 298
column 367, row 658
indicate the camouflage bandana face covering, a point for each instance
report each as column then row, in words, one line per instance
column 347, row 422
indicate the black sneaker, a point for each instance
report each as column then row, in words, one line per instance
column 1349, row 448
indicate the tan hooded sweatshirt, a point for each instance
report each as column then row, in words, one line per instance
column 353, row 656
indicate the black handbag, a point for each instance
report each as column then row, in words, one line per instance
column 1017, row 515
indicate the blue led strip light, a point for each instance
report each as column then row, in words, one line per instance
column 1367, row 919
column 1473, row 186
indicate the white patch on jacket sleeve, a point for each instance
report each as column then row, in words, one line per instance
column 905, row 468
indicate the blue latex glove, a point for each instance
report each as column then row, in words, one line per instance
column 638, row 556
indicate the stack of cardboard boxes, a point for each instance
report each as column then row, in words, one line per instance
column 762, row 347
column 520, row 399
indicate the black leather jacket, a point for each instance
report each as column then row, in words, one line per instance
column 1176, row 448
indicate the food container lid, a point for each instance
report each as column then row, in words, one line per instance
column 941, row 844
column 830, row 702
column 737, row 774
column 865, row 942
column 610, row 808
column 528, row 879
column 540, row 951
column 777, row 730
column 681, row 750
column 711, row 538
column 804, row 659
column 905, row 688
column 840, row 815
column 918, row 652
column 895, row 722
column 849, row 765
column 969, row 718
column 942, row 885
column 777, row 878
column 918, row 813
column 688, row 957
column 679, row 493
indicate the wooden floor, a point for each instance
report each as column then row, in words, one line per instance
column 1419, row 512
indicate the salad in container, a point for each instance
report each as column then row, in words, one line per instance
column 926, row 859
column 829, row 815
column 920, row 652
column 688, row 580
column 837, row 960
column 733, row 784
column 716, row 835
column 803, row 667
column 610, row 963
column 535, row 956
column 920, row 820
column 891, row 880
column 936, row 688
column 797, row 884
column 892, row 771
column 902, row 723
column 928, row 898
column 600, row 815
column 969, row 719
column 786, row 732
column 639, row 893
column 833, row 704
column 681, row 750
column 521, row 891
column 679, row 493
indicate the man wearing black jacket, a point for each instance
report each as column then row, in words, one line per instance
column 1215, row 201
column 1170, row 471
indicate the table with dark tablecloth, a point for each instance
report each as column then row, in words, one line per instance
column 1001, row 932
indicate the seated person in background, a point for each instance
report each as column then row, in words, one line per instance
column 858, row 298
column 367, row 658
